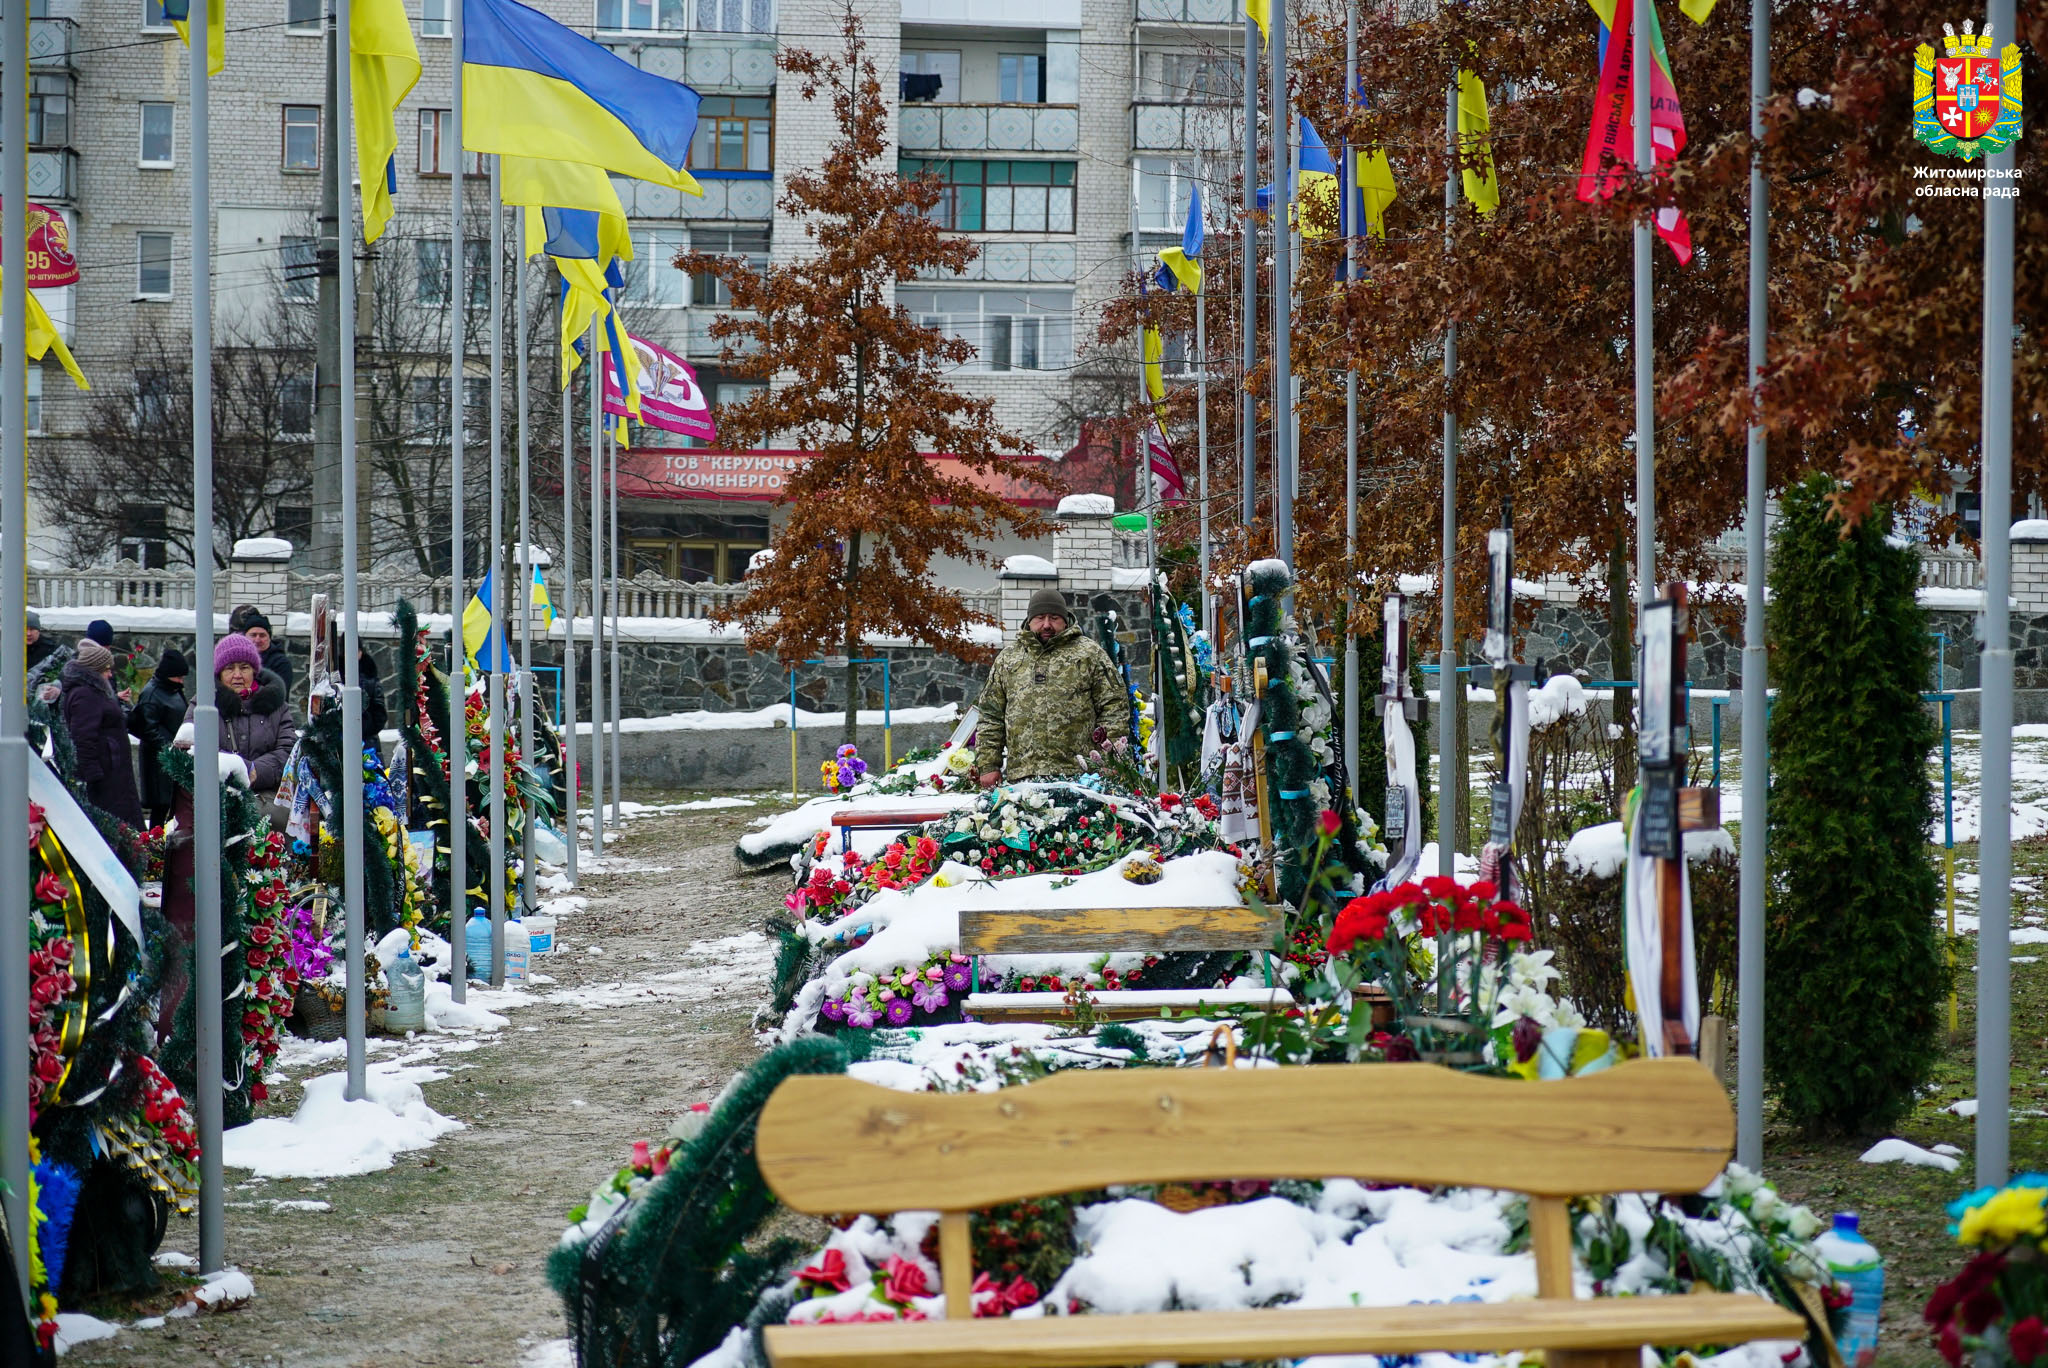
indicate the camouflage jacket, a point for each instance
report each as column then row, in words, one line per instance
column 1043, row 704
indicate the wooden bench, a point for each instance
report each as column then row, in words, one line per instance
column 1098, row 930
column 850, row 822
column 832, row 1145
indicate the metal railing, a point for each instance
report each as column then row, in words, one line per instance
column 1940, row 567
column 990, row 128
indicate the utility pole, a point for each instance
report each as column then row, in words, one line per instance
column 325, row 550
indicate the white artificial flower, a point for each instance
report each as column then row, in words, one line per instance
column 1801, row 1223
column 1531, row 967
column 1761, row 1204
column 1742, row 1182
column 1568, row 1014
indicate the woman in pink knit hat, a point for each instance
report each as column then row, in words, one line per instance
column 255, row 717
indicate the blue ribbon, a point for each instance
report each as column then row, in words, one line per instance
column 1281, row 736
column 1257, row 642
column 1294, row 793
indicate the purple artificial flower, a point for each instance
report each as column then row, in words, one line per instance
column 928, row 996
column 898, row 1011
column 859, row 1013
column 846, row 775
column 832, row 1009
column 958, row 976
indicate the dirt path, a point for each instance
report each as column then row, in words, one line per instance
column 440, row 1259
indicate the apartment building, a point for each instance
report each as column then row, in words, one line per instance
column 1069, row 131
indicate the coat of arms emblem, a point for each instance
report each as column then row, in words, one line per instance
column 1966, row 102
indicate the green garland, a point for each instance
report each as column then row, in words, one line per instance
column 428, row 780
column 320, row 744
column 1178, row 709
column 678, row 1267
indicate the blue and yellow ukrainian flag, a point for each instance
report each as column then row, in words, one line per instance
column 1375, row 188
column 1474, row 125
column 575, row 218
column 1182, row 265
column 179, row 13
column 541, row 599
column 531, row 87
column 1317, row 183
column 481, row 642
column 384, row 65
column 43, row 338
column 587, row 248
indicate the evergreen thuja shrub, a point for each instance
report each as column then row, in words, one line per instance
column 1856, row 968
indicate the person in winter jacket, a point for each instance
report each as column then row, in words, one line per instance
column 274, row 656
column 40, row 647
column 1052, row 695
column 155, row 719
column 255, row 718
column 375, row 715
column 99, row 733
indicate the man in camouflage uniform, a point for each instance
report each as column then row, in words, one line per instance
column 1052, row 696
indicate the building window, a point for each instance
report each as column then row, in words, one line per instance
column 430, row 273
column 735, row 16
column 427, row 402
column 155, row 398
column 152, row 265
column 1000, row 196
column 295, row 406
column 49, row 109
column 301, row 138
column 651, row 277
column 1022, row 78
column 640, row 16
column 1164, row 187
column 301, row 16
column 153, row 20
column 1186, row 77
column 35, row 400
column 437, row 145
column 708, row 290
column 734, row 133
column 157, row 149
column 942, row 63
column 300, row 266
column 145, row 531
column 434, row 19
column 1008, row 329
column 294, row 522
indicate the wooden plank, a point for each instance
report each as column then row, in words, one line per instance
column 1039, row 931
column 956, row 1265
column 1132, row 1004
column 1613, row 1323
column 908, row 817
column 833, row 1144
column 1550, row 1240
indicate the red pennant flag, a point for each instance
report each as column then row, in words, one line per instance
column 1610, row 141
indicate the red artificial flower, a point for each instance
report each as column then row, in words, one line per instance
column 1440, row 886
column 1484, row 890
column 1979, row 1309
column 1330, row 822
column 829, row 1271
column 50, row 888
column 1950, row 1344
column 903, row 1280
column 1020, row 1293
column 1977, row 1274
column 2027, row 1339
column 258, row 1093
column 1466, row 918
column 927, row 848
column 1514, row 922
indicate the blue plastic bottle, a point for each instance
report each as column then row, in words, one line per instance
column 476, row 945
column 1859, row 1271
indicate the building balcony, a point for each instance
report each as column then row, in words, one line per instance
column 752, row 198
column 1184, row 127
column 990, row 128
column 51, row 43
column 1190, row 12
column 53, row 174
column 1044, row 14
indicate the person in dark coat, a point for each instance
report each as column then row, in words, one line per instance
column 99, row 733
column 375, row 715
column 275, row 658
column 100, row 630
column 40, row 647
column 155, row 720
column 255, row 716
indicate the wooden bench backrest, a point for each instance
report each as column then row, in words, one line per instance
column 993, row 931
column 836, row 1145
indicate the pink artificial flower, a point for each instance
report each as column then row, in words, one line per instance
column 827, row 1272
column 903, row 1280
column 859, row 1014
column 928, row 996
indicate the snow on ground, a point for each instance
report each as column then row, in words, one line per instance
column 911, row 1060
column 329, row 1137
column 628, row 811
column 1896, row 1151
column 1598, row 851
column 75, row 1328
column 732, row 967
column 777, row 715
column 549, row 1354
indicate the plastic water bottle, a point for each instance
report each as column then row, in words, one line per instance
column 1859, row 1271
column 540, row 931
column 476, row 945
column 405, row 1001
column 517, row 948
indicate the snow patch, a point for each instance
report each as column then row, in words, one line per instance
column 1086, row 506
column 773, row 715
column 1033, row 567
column 74, row 1328
column 330, row 1137
column 1598, row 852
column 1896, row 1151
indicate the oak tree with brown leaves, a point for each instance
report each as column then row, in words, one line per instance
column 863, row 389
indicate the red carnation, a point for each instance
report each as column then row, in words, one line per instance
column 1329, row 821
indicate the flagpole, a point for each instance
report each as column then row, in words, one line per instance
column 494, row 662
column 1756, row 752
column 1994, row 850
column 206, row 851
column 1348, row 190
column 571, row 825
column 596, row 595
column 457, row 739
column 1447, row 585
column 526, row 557
column 1283, row 288
column 612, row 634
column 354, row 884
column 1640, row 78
column 15, row 865
column 1202, row 441
column 1248, row 311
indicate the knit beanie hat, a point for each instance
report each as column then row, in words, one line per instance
column 35, row 620
column 255, row 619
column 94, row 656
column 1048, row 600
column 100, row 630
column 235, row 649
column 172, row 664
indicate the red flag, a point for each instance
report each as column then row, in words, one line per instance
column 670, row 397
column 1610, row 141
column 50, row 263
column 1167, row 485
